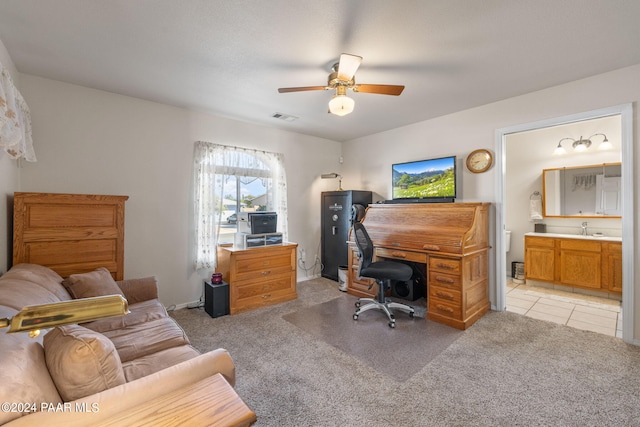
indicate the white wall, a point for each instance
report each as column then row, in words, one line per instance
column 9, row 179
column 90, row 141
column 464, row 131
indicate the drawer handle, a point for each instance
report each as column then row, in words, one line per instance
column 266, row 296
column 446, row 295
column 396, row 254
column 443, row 279
column 445, row 266
column 266, row 272
column 431, row 247
column 444, row 308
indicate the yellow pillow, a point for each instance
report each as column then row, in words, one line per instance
column 81, row 362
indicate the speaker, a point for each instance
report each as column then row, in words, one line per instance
column 410, row 290
column 216, row 299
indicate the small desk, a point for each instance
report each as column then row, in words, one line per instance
column 210, row 402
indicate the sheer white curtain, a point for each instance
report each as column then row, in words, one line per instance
column 15, row 121
column 214, row 162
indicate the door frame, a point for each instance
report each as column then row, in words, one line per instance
column 628, row 249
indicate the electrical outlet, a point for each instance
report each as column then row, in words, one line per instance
column 303, row 255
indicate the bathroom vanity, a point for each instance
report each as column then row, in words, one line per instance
column 586, row 262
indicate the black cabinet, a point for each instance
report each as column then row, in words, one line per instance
column 335, row 223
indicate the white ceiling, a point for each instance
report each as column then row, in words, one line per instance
column 228, row 57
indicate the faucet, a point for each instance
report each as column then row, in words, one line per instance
column 584, row 229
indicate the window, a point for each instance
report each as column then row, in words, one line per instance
column 229, row 180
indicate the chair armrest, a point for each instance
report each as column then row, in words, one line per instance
column 114, row 401
column 138, row 290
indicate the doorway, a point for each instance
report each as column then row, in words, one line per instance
column 562, row 125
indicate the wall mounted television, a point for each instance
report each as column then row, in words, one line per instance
column 431, row 180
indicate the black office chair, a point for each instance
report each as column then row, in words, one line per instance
column 383, row 272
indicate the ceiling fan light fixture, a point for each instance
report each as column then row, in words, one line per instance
column 341, row 104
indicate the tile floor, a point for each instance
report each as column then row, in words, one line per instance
column 586, row 312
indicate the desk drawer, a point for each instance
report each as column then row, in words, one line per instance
column 401, row 255
column 445, row 265
column 443, row 280
column 445, row 308
column 445, row 294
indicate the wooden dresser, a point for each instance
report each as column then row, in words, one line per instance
column 258, row 277
column 449, row 241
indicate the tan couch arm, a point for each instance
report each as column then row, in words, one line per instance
column 115, row 400
column 138, row 290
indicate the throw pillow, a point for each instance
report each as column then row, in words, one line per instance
column 93, row 284
column 81, row 362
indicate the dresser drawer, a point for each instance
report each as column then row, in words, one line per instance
column 250, row 295
column 252, row 288
column 257, row 268
column 445, row 294
column 445, row 265
column 445, row 308
column 401, row 255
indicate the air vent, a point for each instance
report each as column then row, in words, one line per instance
column 285, row 117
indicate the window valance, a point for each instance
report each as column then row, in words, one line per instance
column 15, row 120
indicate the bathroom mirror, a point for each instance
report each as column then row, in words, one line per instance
column 582, row 191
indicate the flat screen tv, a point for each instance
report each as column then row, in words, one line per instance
column 431, row 180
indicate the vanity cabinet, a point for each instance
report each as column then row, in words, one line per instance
column 575, row 262
column 612, row 266
column 580, row 263
column 540, row 258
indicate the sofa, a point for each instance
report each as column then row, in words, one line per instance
column 108, row 365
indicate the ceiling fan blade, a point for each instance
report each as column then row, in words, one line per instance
column 348, row 66
column 380, row 89
column 300, row 89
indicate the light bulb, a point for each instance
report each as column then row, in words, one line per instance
column 341, row 105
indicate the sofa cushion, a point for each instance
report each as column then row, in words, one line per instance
column 139, row 290
column 81, row 362
column 24, row 376
column 152, row 363
column 17, row 293
column 92, row 284
column 146, row 338
column 41, row 276
column 138, row 313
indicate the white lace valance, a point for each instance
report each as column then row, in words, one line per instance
column 15, row 120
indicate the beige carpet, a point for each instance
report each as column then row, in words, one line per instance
column 506, row 370
column 398, row 352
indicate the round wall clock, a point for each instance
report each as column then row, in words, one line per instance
column 479, row 161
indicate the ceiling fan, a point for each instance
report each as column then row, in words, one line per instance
column 341, row 79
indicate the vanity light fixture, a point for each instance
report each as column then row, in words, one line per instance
column 333, row 175
column 581, row 145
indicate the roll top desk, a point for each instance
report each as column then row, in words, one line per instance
column 449, row 241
